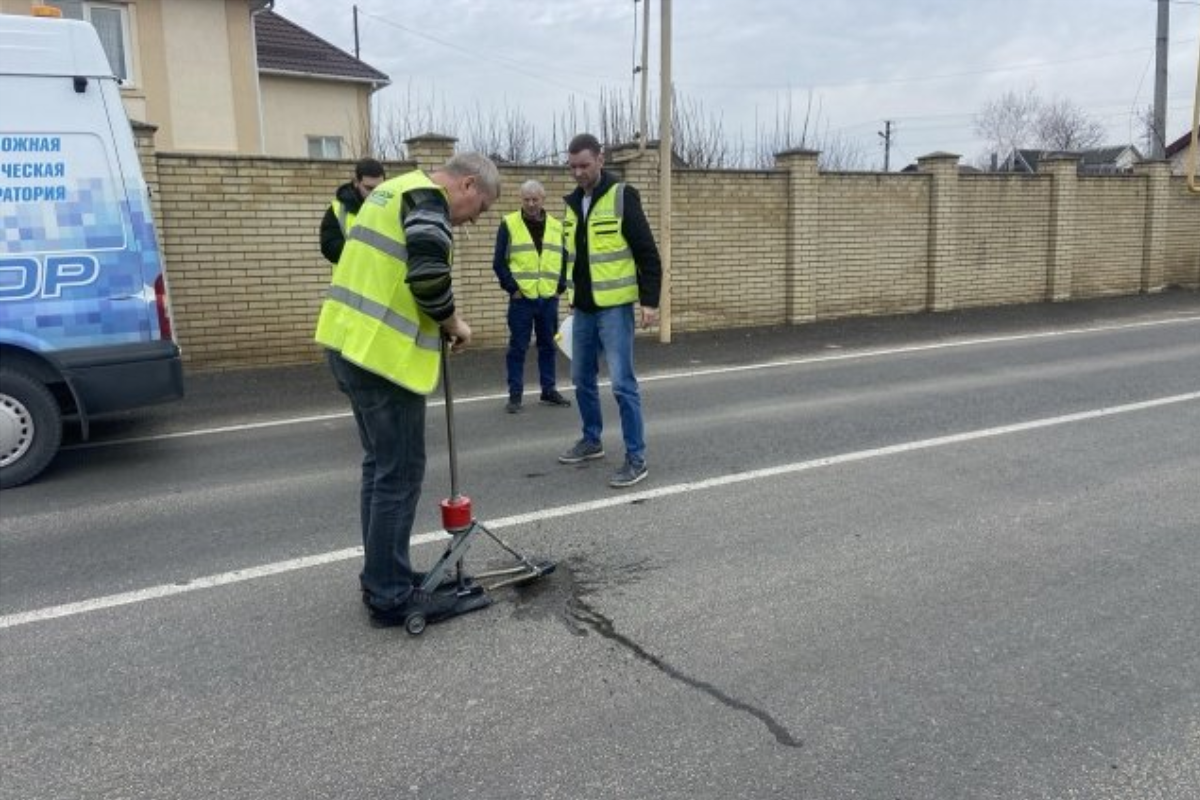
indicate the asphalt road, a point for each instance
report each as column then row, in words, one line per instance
column 932, row 556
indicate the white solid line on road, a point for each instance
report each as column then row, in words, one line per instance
column 669, row 376
column 252, row 573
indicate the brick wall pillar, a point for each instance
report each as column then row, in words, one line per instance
column 1064, row 171
column 430, row 150
column 1158, row 196
column 804, row 195
column 943, row 227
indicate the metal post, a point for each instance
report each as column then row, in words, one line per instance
column 664, row 170
column 645, row 120
column 450, row 444
column 356, row 31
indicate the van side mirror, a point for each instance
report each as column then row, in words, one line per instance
column 80, row 84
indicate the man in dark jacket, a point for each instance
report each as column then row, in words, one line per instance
column 613, row 263
column 368, row 173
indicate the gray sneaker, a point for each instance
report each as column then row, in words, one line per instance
column 628, row 475
column 581, row 451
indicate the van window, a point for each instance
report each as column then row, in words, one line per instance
column 110, row 22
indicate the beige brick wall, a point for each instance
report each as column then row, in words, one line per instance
column 240, row 237
column 729, row 256
column 1182, row 266
column 1003, row 241
column 873, row 244
column 1108, row 240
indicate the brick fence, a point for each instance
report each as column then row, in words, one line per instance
column 750, row 247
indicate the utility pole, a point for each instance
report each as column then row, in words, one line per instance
column 664, row 171
column 356, row 31
column 644, row 123
column 1159, row 134
column 886, row 135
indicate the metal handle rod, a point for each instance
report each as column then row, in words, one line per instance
column 450, row 444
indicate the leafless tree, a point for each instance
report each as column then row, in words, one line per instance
column 699, row 136
column 1061, row 125
column 1008, row 122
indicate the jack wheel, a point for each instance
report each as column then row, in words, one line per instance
column 414, row 624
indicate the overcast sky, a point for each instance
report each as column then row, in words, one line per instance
column 927, row 65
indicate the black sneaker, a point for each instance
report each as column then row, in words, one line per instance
column 628, row 475
column 553, row 398
column 581, row 451
column 433, row 605
column 514, row 405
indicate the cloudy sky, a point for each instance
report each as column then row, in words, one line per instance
column 927, row 65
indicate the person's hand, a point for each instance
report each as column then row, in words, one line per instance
column 649, row 317
column 457, row 332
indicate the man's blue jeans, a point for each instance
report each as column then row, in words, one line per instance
column 609, row 330
column 391, row 426
column 539, row 317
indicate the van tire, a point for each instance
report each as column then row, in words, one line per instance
column 30, row 427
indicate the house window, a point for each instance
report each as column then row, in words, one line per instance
column 324, row 147
column 111, row 21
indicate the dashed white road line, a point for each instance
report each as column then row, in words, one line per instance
column 265, row 570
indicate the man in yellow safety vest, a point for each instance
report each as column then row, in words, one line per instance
column 612, row 263
column 529, row 262
column 347, row 200
column 389, row 305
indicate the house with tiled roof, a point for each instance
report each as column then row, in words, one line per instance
column 314, row 96
column 230, row 76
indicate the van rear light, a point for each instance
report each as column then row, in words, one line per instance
column 160, row 305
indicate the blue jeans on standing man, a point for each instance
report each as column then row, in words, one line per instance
column 537, row 317
column 391, row 425
column 609, row 330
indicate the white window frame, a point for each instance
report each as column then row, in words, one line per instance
column 122, row 10
column 325, row 144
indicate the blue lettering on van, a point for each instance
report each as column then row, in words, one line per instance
column 33, row 194
column 24, row 277
column 29, row 170
column 30, row 144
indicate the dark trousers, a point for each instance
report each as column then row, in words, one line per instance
column 391, row 426
column 538, row 317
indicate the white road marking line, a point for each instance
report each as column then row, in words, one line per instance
column 666, row 376
column 279, row 567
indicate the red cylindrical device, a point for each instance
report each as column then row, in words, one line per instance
column 456, row 513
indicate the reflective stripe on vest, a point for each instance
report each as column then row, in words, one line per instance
column 536, row 274
column 369, row 314
column 614, row 273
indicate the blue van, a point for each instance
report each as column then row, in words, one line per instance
column 85, row 327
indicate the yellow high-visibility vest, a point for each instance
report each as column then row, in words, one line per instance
column 370, row 315
column 536, row 274
column 345, row 216
column 614, row 273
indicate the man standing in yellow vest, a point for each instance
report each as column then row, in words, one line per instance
column 529, row 262
column 612, row 263
column 388, row 307
column 347, row 200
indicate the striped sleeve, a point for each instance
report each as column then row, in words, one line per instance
column 426, row 220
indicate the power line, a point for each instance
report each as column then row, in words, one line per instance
column 521, row 68
column 940, row 76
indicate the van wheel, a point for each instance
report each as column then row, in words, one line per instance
column 30, row 427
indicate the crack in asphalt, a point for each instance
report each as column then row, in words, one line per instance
column 580, row 616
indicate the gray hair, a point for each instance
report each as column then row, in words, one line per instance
column 533, row 186
column 478, row 166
